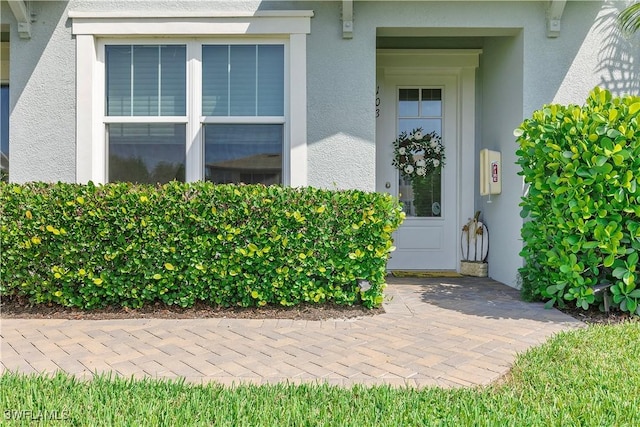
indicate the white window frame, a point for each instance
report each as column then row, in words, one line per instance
column 95, row 30
column 282, row 120
column 116, row 119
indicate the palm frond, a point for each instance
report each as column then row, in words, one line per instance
column 629, row 19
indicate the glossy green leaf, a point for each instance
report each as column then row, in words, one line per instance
column 210, row 242
column 582, row 213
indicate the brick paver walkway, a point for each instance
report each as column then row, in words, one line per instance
column 445, row 332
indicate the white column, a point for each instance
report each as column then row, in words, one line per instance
column 85, row 60
column 297, row 92
column 195, row 133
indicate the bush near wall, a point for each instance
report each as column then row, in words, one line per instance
column 128, row 245
column 582, row 168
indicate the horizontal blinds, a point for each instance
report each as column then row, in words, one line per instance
column 215, row 81
column 243, row 80
column 146, row 80
column 270, row 80
column 173, row 80
column 118, row 69
column 146, row 74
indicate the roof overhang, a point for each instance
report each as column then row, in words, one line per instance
column 21, row 12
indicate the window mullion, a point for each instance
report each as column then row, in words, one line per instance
column 132, row 73
column 229, row 80
column 257, row 91
column 159, row 80
column 194, row 146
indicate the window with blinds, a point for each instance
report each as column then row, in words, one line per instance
column 239, row 90
column 146, row 80
column 245, row 82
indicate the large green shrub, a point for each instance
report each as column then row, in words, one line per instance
column 582, row 168
column 127, row 245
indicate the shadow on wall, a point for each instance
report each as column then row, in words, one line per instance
column 618, row 59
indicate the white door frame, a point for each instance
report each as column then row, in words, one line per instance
column 459, row 64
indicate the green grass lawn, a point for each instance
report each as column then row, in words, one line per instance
column 588, row 377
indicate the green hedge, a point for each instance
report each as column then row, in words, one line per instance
column 128, row 245
column 582, row 167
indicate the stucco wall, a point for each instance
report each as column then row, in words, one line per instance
column 500, row 113
column 42, row 90
column 589, row 52
column 341, row 112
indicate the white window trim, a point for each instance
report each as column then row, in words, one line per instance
column 190, row 24
column 94, row 30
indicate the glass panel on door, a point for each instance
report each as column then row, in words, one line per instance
column 421, row 108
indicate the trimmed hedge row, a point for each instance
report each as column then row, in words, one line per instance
column 582, row 166
column 128, row 245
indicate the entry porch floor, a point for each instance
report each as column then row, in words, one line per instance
column 447, row 332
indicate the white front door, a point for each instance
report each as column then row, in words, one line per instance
column 428, row 238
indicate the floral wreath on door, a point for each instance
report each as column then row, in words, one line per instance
column 417, row 156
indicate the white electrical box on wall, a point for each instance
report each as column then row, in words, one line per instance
column 490, row 172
